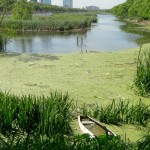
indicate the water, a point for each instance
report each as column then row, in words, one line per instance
column 105, row 35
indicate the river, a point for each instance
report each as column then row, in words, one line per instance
column 107, row 34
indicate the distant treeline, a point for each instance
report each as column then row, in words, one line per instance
column 134, row 9
column 36, row 7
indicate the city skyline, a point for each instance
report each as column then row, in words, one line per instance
column 102, row 4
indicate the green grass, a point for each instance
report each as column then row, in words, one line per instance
column 49, row 115
column 79, row 142
column 56, row 22
column 119, row 113
column 142, row 79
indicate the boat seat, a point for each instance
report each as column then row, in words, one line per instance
column 87, row 122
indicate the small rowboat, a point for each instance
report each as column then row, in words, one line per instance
column 92, row 127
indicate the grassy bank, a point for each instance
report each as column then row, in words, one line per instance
column 56, row 22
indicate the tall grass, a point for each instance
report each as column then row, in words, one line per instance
column 78, row 142
column 142, row 79
column 144, row 143
column 121, row 112
column 56, row 22
column 45, row 115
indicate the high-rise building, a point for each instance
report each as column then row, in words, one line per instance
column 68, row 3
column 47, row 2
column 57, row 2
column 92, row 8
column 41, row 1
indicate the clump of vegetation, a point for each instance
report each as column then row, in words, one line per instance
column 122, row 112
column 142, row 79
column 44, row 115
column 78, row 142
column 56, row 22
column 144, row 143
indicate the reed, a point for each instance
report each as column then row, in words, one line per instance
column 78, row 142
column 45, row 115
column 56, row 22
column 142, row 79
column 121, row 112
column 144, row 143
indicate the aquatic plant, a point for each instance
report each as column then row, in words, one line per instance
column 49, row 115
column 78, row 142
column 56, row 22
column 142, row 79
column 121, row 112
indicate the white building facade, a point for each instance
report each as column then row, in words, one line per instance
column 68, row 3
column 57, row 2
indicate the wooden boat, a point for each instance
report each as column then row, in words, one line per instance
column 92, row 127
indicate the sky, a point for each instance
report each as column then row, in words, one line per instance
column 103, row 4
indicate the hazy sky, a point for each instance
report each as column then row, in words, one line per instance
column 100, row 3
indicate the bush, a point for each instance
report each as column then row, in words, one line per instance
column 45, row 115
column 142, row 79
column 117, row 113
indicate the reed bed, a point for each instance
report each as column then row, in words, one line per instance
column 121, row 112
column 142, row 79
column 56, row 22
column 27, row 114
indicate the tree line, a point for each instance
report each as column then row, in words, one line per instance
column 134, row 9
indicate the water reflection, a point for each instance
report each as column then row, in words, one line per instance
column 105, row 35
column 82, row 41
column 136, row 29
column 3, row 43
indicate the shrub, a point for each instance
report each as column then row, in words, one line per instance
column 142, row 79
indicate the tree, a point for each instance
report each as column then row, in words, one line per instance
column 5, row 7
column 22, row 10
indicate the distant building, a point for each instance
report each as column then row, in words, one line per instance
column 92, row 8
column 57, row 2
column 68, row 3
column 41, row 1
column 47, row 2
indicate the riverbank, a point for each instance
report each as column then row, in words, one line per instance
column 145, row 24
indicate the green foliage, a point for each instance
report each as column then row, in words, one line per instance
column 144, row 143
column 122, row 112
column 79, row 142
column 22, row 10
column 133, row 9
column 142, row 79
column 45, row 115
column 57, row 22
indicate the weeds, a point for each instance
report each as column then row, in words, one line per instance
column 144, row 143
column 45, row 115
column 57, row 22
column 78, row 142
column 122, row 112
column 142, row 79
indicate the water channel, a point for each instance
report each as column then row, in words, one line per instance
column 108, row 34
